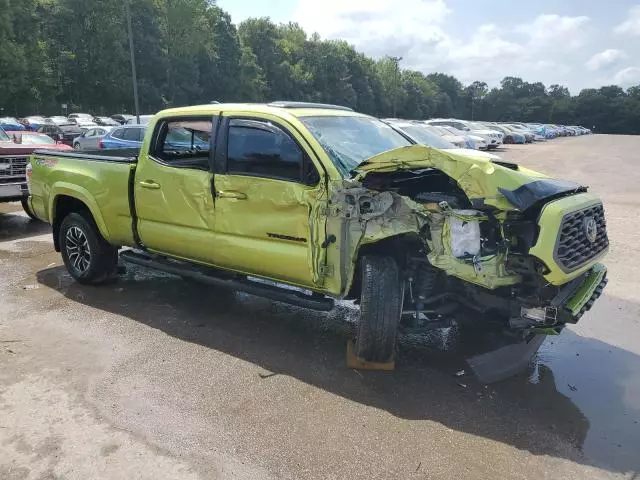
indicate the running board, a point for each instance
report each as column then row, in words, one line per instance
column 207, row 275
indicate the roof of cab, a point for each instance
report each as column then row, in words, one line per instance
column 282, row 109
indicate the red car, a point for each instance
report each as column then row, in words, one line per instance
column 15, row 148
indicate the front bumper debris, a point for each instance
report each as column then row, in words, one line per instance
column 585, row 295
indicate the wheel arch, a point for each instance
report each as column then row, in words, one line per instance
column 66, row 201
column 396, row 246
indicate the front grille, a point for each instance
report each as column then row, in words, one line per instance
column 14, row 168
column 574, row 248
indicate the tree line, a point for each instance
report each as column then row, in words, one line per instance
column 76, row 52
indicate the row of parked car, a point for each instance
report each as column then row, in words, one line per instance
column 456, row 133
column 78, row 130
column 86, row 132
column 83, row 120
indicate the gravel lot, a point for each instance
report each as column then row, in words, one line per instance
column 150, row 378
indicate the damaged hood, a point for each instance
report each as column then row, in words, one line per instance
column 504, row 185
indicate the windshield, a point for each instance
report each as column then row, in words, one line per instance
column 425, row 137
column 349, row 141
column 31, row 139
column 4, row 137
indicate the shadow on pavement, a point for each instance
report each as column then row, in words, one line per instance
column 526, row 411
column 16, row 227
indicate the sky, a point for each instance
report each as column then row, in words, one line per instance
column 575, row 43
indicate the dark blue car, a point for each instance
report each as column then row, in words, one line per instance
column 11, row 124
column 131, row 136
column 126, row 136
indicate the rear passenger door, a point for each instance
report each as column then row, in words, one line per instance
column 173, row 198
column 268, row 196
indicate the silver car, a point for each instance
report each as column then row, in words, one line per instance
column 89, row 140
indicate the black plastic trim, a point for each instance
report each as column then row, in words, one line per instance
column 96, row 157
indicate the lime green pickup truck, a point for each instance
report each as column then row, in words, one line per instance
column 309, row 203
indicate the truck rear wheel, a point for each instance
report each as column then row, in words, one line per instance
column 86, row 254
column 380, row 308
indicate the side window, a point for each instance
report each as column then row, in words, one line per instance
column 184, row 141
column 262, row 149
column 118, row 133
column 90, row 133
column 131, row 134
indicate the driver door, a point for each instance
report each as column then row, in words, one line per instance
column 268, row 197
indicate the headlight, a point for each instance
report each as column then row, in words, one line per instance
column 29, row 172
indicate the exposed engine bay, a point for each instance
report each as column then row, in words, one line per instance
column 462, row 261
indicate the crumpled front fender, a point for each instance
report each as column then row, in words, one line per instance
column 482, row 180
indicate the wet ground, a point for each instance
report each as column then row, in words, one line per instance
column 149, row 377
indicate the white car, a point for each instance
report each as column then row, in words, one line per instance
column 478, row 142
column 459, row 141
column 144, row 119
column 493, row 138
column 425, row 135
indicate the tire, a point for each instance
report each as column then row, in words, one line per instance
column 380, row 308
column 76, row 146
column 27, row 209
column 86, row 254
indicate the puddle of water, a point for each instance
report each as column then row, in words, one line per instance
column 603, row 381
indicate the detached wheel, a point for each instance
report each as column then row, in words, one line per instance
column 380, row 309
column 86, row 254
column 27, row 209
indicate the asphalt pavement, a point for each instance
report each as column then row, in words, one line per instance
column 150, row 377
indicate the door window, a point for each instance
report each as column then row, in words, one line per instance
column 90, row 133
column 261, row 149
column 118, row 133
column 131, row 134
column 184, row 141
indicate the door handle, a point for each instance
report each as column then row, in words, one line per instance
column 150, row 184
column 231, row 194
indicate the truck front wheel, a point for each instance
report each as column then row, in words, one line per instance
column 86, row 254
column 380, row 308
column 27, row 209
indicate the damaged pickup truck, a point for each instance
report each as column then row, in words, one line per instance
column 307, row 203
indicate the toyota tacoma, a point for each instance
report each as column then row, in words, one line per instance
column 309, row 203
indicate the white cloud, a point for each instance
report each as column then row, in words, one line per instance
column 606, row 58
column 377, row 24
column 631, row 26
column 419, row 32
column 552, row 30
column 627, row 77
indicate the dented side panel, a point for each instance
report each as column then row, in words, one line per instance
column 178, row 217
column 276, row 231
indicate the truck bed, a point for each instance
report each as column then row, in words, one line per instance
column 101, row 179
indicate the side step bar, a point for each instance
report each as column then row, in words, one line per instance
column 205, row 275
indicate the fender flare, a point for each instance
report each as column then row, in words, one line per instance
column 59, row 189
